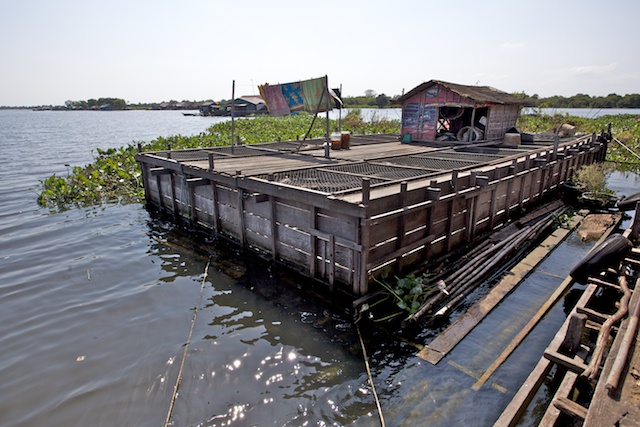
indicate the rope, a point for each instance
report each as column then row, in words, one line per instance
column 186, row 349
column 628, row 149
column 373, row 388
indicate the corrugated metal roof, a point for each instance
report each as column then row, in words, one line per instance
column 253, row 99
column 477, row 93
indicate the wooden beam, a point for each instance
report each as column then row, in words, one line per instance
column 575, row 364
column 518, row 405
column 570, row 408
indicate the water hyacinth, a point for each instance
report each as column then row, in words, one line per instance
column 115, row 176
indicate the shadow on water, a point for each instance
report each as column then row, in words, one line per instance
column 267, row 345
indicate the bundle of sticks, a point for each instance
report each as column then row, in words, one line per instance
column 487, row 260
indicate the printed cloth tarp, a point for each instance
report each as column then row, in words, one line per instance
column 307, row 95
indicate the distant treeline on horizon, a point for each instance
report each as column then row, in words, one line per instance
column 370, row 100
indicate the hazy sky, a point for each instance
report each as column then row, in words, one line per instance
column 151, row 51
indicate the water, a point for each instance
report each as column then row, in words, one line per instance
column 96, row 306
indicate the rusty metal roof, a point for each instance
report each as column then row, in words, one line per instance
column 476, row 93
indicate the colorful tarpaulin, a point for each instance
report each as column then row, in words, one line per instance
column 308, row 95
column 277, row 104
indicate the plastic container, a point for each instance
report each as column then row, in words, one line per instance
column 336, row 140
column 345, row 139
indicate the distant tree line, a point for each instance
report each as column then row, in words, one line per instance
column 121, row 104
column 373, row 100
column 583, row 101
column 370, row 99
column 97, row 104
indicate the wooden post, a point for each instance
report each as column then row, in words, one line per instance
column 540, row 163
column 363, row 279
column 401, row 222
column 210, row 156
column 274, row 223
column 366, row 189
column 332, row 260
column 215, row 210
column 449, row 227
column 160, row 196
column 571, row 342
column 314, row 241
column 492, row 208
column 192, row 203
column 240, row 207
column 507, row 207
column 556, row 141
column 174, row 203
column 454, row 180
column 145, row 182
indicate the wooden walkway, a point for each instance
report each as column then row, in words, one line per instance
column 616, row 399
column 380, row 206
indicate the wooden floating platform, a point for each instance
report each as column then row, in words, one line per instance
column 380, row 206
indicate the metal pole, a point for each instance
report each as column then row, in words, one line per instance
column 328, row 142
column 233, row 109
column 340, row 111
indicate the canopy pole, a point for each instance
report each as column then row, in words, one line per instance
column 327, row 145
column 340, row 111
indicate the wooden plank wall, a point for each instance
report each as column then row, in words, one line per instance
column 467, row 208
column 392, row 234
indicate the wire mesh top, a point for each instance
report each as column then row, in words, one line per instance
column 321, row 180
column 429, row 163
column 379, row 171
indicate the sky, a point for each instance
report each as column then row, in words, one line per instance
column 154, row 51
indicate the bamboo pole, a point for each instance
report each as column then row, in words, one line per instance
column 621, row 358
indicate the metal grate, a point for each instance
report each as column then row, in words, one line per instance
column 320, row 180
column 239, row 151
column 289, row 146
column 379, row 171
column 430, row 163
column 504, row 152
column 472, row 157
column 189, row 155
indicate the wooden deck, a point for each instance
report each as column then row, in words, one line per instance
column 379, row 206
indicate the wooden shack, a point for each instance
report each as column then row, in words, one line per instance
column 442, row 111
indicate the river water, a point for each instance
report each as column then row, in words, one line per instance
column 97, row 305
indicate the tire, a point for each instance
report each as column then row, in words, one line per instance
column 463, row 134
column 629, row 203
column 608, row 253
